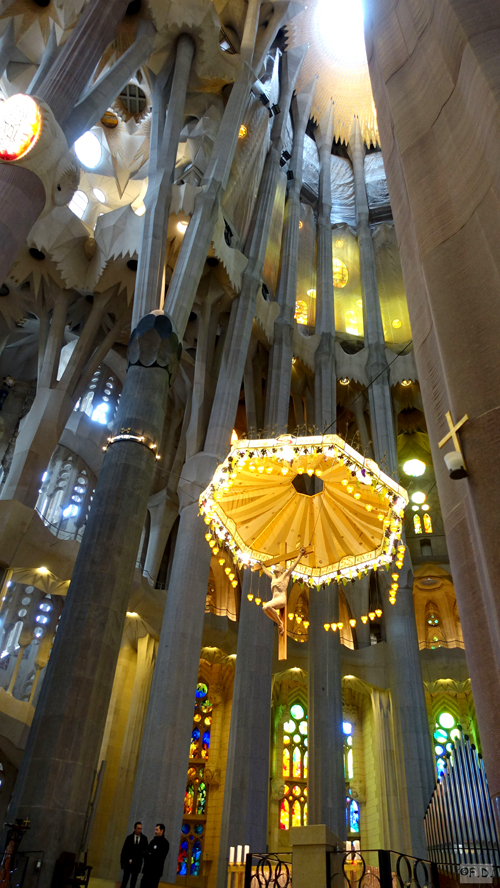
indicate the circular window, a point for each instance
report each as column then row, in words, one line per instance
column 133, row 100
column 22, row 612
column 38, row 632
column 29, row 590
column 88, row 150
column 340, row 273
column 26, row 601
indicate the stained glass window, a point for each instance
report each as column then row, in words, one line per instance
column 195, row 800
column 301, row 311
column 445, row 732
column 353, row 817
column 427, row 523
column 293, row 808
column 417, row 524
column 286, row 760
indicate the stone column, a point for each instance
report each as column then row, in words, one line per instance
column 246, row 791
column 115, row 825
column 280, row 356
column 165, row 133
column 325, row 380
column 22, row 195
column 326, row 740
column 160, row 774
column 326, row 762
column 379, row 393
column 447, row 219
column 406, row 677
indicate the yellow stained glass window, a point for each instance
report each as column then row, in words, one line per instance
column 286, row 762
column 284, row 815
column 301, row 312
column 297, row 769
column 427, row 523
column 296, row 813
column 340, row 274
column 306, row 762
column 417, row 524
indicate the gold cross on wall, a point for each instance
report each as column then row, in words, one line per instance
column 453, row 433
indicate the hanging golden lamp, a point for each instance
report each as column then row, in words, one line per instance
column 269, row 498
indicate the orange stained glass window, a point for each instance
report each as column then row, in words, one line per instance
column 286, row 762
column 417, row 524
column 306, row 763
column 296, row 818
column 305, row 814
column 427, row 523
column 284, row 815
column 189, row 799
column 297, row 769
column 301, row 311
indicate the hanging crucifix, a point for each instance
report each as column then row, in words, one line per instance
column 277, row 607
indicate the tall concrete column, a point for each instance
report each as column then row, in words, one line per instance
column 406, row 676
column 325, row 380
column 246, row 792
column 56, row 776
column 447, row 221
column 326, row 744
column 115, row 824
column 280, row 356
column 379, row 393
column 22, row 195
column 162, row 776
column 165, row 133
column 326, row 740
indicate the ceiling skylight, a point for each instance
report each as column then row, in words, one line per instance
column 88, row 150
column 340, row 23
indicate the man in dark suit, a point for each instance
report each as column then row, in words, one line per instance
column 154, row 858
column 133, row 851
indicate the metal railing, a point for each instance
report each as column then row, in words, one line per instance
column 268, row 870
column 379, row 869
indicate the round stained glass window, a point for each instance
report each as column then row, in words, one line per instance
column 22, row 612
column 38, row 632
column 197, row 717
column 201, row 691
column 185, row 828
column 206, row 706
column 297, row 711
column 439, row 750
column 208, row 720
column 289, row 726
column 454, row 734
column 340, row 273
column 446, row 720
column 440, row 735
column 297, row 790
column 29, row 590
column 26, row 601
column 303, row 728
column 297, row 738
column 198, row 829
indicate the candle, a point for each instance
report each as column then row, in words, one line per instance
column 247, row 851
column 231, row 855
column 238, row 853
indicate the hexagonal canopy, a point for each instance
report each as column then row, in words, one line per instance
column 316, row 492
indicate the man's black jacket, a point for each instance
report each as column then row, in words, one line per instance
column 156, row 853
column 133, row 852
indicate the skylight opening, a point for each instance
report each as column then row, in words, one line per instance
column 341, row 29
column 78, row 203
column 88, row 150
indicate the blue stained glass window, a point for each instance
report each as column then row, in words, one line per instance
column 201, row 691
column 347, row 727
column 185, row 828
column 198, row 829
column 206, row 739
column 182, row 859
column 196, row 734
column 354, row 817
column 195, row 858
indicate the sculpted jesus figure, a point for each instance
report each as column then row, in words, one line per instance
column 279, row 587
